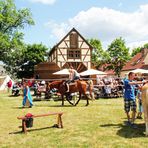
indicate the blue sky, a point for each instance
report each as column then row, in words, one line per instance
column 105, row 20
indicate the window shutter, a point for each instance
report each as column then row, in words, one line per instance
column 73, row 40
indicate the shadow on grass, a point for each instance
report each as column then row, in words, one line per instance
column 20, row 107
column 30, row 130
column 127, row 131
column 43, row 99
column 54, row 106
column 13, row 96
column 46, row 105
column 17, row 107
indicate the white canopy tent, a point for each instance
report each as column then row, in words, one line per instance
column 62, row 72
column 6, row 79
column 143, row 71
column 92, row 72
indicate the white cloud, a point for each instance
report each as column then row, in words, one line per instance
column 107, row 24
column 58, row 30
column 48, row 2
column 133, row 45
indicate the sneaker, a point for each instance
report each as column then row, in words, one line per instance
column 139, row 117
column 128, row 123
column 133, row 125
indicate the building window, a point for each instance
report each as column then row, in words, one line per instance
column 74, row 54
column 73, row 41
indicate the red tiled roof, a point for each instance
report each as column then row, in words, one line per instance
column 136, row 62
column 109, row 72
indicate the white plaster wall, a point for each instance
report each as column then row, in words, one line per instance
column 84, row 51
column 74, row 60
column 63, row 51
column 54, row 60
column 63, row 43
column 60, row 58
column 84, row 45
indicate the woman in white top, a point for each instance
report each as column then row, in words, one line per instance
column 73, row 75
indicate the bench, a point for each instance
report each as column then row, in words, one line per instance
column 59, row 119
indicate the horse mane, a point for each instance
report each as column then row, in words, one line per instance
column 56, row 83
column 82, row 81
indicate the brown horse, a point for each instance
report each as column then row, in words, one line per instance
column 145, row 105
column 79, row 86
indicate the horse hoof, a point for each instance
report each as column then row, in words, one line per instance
column 86, row 104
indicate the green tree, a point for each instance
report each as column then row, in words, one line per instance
column 119, row 55
column 28, row 57
column 12, row 65
column 99, row 56
column 135, row 51
column 33, row 55
column 11, row 21
column 145, row 45
column 138, row 49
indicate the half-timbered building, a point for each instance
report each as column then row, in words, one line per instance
column 72, row 50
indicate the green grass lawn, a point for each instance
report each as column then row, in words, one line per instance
column 101, row 124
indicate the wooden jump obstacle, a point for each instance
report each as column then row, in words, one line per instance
column 59, row 119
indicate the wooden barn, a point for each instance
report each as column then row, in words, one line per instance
column 44, row 70
column 72, row 50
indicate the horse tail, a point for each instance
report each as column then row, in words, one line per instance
column 90, row 89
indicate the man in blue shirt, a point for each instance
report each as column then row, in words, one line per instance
column 129, row 97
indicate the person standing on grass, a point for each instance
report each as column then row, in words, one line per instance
column 27, row 98
column 9, row 85
column 130, row 98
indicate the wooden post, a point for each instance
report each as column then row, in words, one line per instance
column 24, row 126
column 60, row 120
